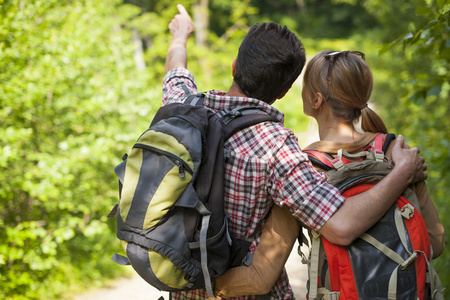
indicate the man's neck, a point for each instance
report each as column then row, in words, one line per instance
column 235, row 91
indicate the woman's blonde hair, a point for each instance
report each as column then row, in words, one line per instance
column 345, row 81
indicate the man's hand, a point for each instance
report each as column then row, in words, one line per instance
column 181, row 27
column 408, row 162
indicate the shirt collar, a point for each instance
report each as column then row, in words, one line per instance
column 217, row 100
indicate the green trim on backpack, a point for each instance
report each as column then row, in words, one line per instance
column 162, row 201
column 131, row 180
column 166, row 143
column 166, row 271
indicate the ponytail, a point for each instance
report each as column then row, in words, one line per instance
column 371, row 121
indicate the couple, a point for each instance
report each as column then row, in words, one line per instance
column 268, row 170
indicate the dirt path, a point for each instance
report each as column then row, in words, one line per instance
column 137, row 289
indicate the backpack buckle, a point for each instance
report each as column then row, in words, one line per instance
column 227, row 115
column 379, row 155
column 407, row 211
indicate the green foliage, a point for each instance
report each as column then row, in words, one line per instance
column 75, row 91
column 417, row 65
column 316, row 19
column 67, row 94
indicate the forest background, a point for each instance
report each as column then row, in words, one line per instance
column 80, row 80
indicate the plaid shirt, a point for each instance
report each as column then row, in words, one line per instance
column 266, row 166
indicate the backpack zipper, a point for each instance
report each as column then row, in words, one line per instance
column 180, row 163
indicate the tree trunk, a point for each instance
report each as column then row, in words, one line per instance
column 201, row 22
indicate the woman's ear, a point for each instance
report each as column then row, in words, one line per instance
column 233, row 67
column 318, row 100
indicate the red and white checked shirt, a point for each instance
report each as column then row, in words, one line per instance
column 266, row 166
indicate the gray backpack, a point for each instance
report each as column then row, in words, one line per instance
column 170, row 217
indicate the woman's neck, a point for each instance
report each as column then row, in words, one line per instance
column 332, row 129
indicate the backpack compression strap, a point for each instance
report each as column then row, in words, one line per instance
column 325, row 161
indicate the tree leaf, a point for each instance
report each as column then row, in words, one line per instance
column 424, row 11
column 434, row 91
column 441, row 3
column 385, row 48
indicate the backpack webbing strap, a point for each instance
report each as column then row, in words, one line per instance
column 382, row 141
column 203, row 251
column 314, row 268
column 392, row 287
column 211, row 240
column 383, row 248
column 120, row 259
column 195, row 100
column 204, row 255
column 433, row 279
column 434, row 282
column 371, row 153
column 378, row 141
column 314, row 291
column 406, row 212
column 185, row 88
column 328, row 295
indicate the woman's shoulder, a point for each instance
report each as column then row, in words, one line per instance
column 333, row 147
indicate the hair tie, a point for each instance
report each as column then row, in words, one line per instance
column 363, row 106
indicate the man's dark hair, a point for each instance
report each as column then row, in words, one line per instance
column 270, row 59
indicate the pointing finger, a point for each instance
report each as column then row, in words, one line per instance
column 182, row 10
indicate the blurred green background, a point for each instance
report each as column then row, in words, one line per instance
column 80, row 80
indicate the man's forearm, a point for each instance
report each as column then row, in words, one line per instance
column 362, row 211
column 177, row 54
column 181, row 27
column 278, row 237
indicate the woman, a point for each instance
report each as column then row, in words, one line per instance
column 336, row 91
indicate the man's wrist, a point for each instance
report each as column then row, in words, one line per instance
column 403, row 173
column 180, row 37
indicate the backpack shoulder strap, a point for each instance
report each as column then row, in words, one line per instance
column 242, row 117
column 235, row 119
column 195, row 100
column 389, row 138
column 382, row 141
column 320, row 160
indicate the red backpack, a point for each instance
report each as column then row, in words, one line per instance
column 392, row 260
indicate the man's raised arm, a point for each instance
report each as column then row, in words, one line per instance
column 181, row 27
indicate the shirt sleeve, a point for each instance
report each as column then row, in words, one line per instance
column 177, row 85
column 296, row 184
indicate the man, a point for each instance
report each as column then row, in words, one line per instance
column 267, row 166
